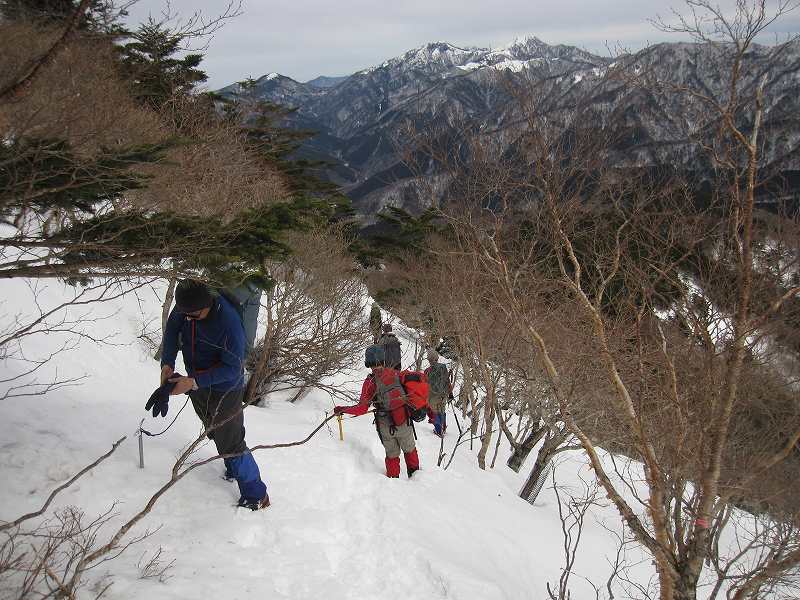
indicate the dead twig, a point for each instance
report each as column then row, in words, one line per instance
column 62, row 487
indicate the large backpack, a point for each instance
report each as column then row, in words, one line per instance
column 246, row 301
column 417, row 390
column 237, row 304
column 402, row 394
column 439, row 379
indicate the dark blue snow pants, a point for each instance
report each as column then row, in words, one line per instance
column 224, row 409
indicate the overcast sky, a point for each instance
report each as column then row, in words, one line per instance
column 306, row 38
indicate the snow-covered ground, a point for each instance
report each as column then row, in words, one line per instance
column 337, row 527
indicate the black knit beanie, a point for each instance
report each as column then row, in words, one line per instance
column 191, row 296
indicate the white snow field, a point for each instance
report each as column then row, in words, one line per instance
column 337, row 527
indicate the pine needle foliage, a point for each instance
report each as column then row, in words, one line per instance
column 150, row 61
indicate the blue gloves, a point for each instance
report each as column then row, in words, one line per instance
column 159, row 399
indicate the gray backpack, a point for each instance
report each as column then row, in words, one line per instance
column 439, row 380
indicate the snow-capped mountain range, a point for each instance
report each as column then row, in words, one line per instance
column 516, row 56
column 360, row 117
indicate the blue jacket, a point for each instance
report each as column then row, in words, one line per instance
column 213, row 348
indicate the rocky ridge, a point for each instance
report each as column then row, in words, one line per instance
column 361, row 118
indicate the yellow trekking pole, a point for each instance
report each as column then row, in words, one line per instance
column 341, row 430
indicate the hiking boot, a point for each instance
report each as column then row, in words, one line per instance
column 254, row 504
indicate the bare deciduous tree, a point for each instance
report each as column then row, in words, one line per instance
column 315, row 316
column 73, row 320
column 572, row 512
column 675, row 310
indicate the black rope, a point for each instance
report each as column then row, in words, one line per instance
column 144, row 431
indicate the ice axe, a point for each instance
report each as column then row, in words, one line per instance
column 341, row 428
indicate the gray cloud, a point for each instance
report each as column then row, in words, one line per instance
column 306, row 38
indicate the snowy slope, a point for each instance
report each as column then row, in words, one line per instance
column 338, row 528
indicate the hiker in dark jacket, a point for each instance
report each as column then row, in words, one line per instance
column 391, row 347
column 439, row 386
column 382, row 388
column 212, row 342
column 375, row 322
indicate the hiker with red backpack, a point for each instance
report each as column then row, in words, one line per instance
column 399, row 398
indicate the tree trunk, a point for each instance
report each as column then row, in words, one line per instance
column 546, row 453
column 539, row 470
column 165, row 309
column 488, row 419
column 684, row 587
column 475, row 419
column 465, row 394
column 522, row 451
column 259, row 371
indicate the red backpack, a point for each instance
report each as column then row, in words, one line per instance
column 415, row 384
column 403, row 394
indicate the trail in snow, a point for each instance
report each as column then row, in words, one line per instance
column 338, row 528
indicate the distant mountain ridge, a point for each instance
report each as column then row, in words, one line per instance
column 325, row 82
column 360, row 118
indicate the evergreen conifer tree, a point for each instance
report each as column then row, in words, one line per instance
column 398, row 234
column 88, row 231
column 279, row 146
column 151, row 63
column 263, row 123
column 100, row 17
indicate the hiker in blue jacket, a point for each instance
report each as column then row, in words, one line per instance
column 212, row 342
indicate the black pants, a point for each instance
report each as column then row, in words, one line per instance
column 218, row 407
